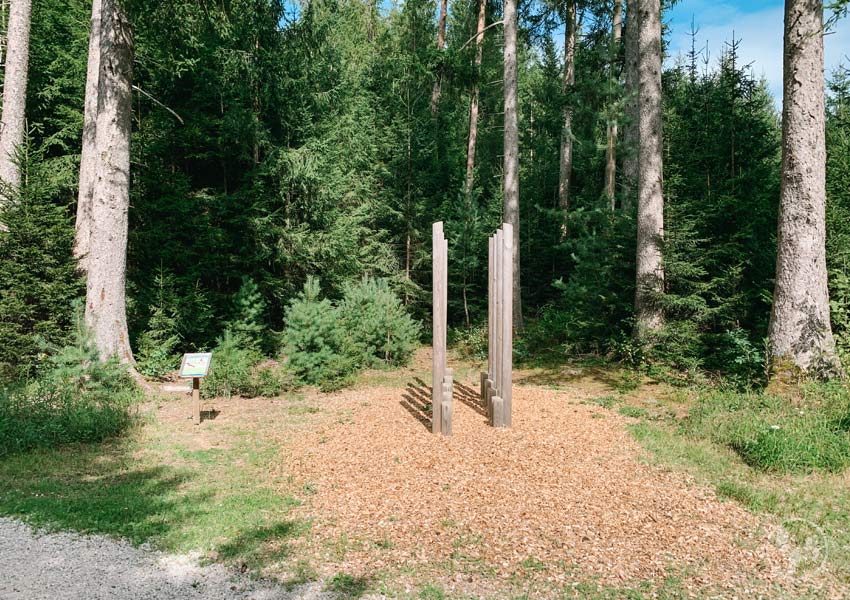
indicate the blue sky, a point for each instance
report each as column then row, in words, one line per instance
column 758, row 24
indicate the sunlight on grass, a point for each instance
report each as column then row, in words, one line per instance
column 819, row 499
column 152, row 488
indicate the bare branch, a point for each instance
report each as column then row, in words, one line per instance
column 479, row 34
column 158, row 103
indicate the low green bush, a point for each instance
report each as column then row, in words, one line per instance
column 776, row 434
column 470, row 342
column 325, row 344
column 378, row 327
column 314, row 341
column 232, row 364
column 156, row 355
column 75, row 398
column 270, row 380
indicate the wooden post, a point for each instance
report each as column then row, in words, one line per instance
column 491, row 304
column 499, row 380
column 498, row 412
column 196, row 399
column 498, row 256
column 439, row 248
column 448, row 403
column 506, row 370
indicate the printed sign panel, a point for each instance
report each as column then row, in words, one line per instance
column 196, row 365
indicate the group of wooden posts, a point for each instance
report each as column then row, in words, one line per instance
column 496, row 383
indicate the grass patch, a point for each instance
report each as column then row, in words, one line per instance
column 775, row 434
column 799, row 480
column 432, row 592
column 348, row 586
column 636, row 412
column 152, row 488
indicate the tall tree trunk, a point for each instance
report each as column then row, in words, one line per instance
column 14, row 95
column 800, row 334
column 473, row 102
column 106, row 314
column 88, row 156
column 511, row 150
column 611, row 132
column 566, row 162
column 650, row 219
column 630, row 129
column 441, row 42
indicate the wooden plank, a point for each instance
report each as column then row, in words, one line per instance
column 498, row 412
column 491, row 302
column 506, row 370
column 497, row 333
column 447, row 408
column 438, row 363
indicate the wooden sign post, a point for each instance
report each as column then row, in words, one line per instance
column 497, row 382
column 441, row 380
column 195, row 366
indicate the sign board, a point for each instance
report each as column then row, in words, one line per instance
column 195, row 365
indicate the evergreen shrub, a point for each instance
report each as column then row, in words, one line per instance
column 232, row 366
column 39, row 285
column 315, row 342
column 380, row 331
column 75, row 397
column 156, row 353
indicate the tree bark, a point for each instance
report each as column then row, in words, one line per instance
column 650, row 219
column 106, row 314
column 511, row 149
column 611, row 130
column 14, row 96
column 473, row 102
column 566, row 162
column 441, row 42
column 88, row 155
column 801, row 340
column 630, row 128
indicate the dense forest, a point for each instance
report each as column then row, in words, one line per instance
column 636, row 389
column 261, row 158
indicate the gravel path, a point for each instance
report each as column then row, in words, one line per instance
column 35, row 565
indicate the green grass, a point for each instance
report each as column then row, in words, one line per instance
column 798, row 481
column 348, row 586
column 152, row 488
column 775, row 434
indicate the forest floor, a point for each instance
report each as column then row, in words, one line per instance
column 586, row 496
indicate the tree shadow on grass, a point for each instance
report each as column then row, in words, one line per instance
column 96, row 489
column 258, row 545
column 178, row 501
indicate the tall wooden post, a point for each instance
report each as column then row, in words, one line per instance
column 440, row 250
column 506, row 350
column 496, row 384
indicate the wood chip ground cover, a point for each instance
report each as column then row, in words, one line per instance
column 561, row 494
column 560, row 498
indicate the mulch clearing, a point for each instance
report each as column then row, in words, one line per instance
column 560, row 497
